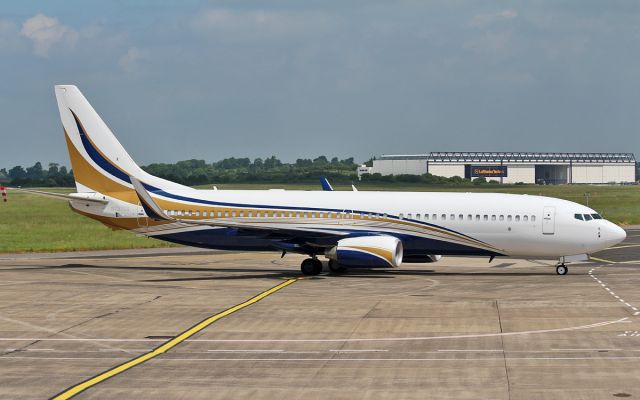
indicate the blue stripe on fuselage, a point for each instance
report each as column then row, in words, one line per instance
column 229, row 239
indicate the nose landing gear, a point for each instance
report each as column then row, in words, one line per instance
column 562, row 269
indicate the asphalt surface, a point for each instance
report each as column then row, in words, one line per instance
column 456, row 329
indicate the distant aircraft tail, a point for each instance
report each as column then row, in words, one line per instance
column 99, row 162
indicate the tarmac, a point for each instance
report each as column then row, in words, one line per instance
column 186, row 324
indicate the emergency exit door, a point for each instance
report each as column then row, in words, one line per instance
column 549, row 220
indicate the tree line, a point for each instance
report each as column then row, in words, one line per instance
column 199, row 172
column 236, row 170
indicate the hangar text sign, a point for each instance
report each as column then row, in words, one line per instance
column 497, row 171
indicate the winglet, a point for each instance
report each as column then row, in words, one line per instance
column 326, row 186
column 152, row 209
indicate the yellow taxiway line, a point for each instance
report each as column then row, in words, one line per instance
column 82, row 386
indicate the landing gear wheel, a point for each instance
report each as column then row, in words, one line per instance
column 562, row 269
column 311, row 266
column 335, row 267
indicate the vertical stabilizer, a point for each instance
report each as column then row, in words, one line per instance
column 99, row 162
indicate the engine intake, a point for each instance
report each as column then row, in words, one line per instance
column 368, row 251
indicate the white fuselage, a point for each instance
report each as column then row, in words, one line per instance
column 514, row 225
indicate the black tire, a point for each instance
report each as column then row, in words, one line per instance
column 562, row 269
column 309, row 266
column 335, row 267
column 317, row 266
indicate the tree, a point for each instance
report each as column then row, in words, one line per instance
column 322, row 160
column 35, row 173
column 17, row 173
column 53, row 170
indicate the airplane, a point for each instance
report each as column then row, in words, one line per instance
column 352, row 229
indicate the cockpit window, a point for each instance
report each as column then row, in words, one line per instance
column 587, row 217
column 596, row 216
column 578, row 216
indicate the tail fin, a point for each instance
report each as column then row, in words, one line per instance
column 99, row 162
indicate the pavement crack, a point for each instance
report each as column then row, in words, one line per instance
column 504, row 356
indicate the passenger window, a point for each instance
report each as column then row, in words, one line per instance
column 525, row 218
column 219, row 213
column 587, row 217
column 443, row 217
column 502, row 218
column 401, row 215
column 509, row 218
column 486, row 218
column 477, row 217
column 452, row 217
column 434, row 217
column 313, row 215
column 226, row 213
column 493, row 217
column 233, row 213
column 198, row 213
column 596, row 216
column 460, row 217
column 469, row 217
column 418, row 216
column 517, row 218
column 533, row 218
column 426, row 217
column 409, row 216
column 242, row 213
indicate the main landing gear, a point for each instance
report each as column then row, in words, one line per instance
column 311, row 266
column 562, row 269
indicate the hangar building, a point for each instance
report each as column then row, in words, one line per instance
column 507, row 167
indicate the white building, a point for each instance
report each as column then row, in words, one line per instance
column 549, row 168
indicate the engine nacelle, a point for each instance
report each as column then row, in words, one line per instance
column 368, row 251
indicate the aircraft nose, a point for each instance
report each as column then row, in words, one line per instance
column 614, row 234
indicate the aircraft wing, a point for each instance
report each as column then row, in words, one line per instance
column 154, row 211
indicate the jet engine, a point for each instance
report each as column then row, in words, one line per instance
column 367, row 251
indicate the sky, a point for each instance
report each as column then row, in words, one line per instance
column 178, row 80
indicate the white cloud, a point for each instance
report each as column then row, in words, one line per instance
column 242, row 24
column 45, row 32
column 129, row 61
column 482, row 20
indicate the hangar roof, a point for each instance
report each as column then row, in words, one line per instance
column 517, row 157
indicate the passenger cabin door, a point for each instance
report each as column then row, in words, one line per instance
column 549, row 220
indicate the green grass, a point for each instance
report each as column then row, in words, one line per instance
column 35, row 224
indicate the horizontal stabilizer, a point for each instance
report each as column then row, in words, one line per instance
column 61, row 196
